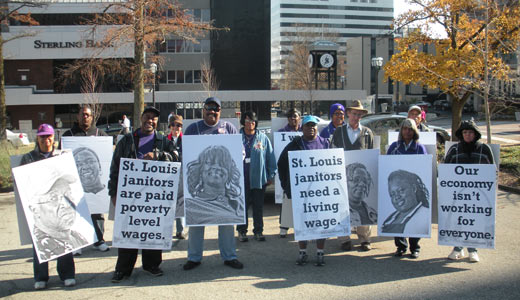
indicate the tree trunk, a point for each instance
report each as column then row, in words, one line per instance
column 139, row 66
column 3, row 113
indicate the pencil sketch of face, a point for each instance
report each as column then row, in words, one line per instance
column 54, row 211
column 358, row 183
column 406, row 190
column 89, row 169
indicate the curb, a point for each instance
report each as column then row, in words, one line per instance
column 509, row 189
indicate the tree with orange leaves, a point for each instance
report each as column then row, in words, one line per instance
column 9, row 12
column 460, row 59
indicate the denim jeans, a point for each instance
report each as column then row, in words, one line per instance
column 226, row 242
column 256, row 198
column 65, row 266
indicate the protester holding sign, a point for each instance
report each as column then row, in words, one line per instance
column 309, row 141
column 86, row 127
column 45, row 149
column 147, row 144
column 175, row 135
column 259, row 171
column 211, row 124
column 407, row 205
column 353, row 136
column 468, row 151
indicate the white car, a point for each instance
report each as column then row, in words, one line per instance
column 17, row 139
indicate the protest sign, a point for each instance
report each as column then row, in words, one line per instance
column 213, row 179
column 93, row 155
column 56, row 211
column 145, row 204
column 23, row 229
column 467, row 201
column 281, row 140
column 319, row 194
column 404, row 193
column 361, row 178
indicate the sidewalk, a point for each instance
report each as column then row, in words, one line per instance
column 270, row 271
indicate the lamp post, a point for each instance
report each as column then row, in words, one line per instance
column 377, row 63
column 153, row 69
column 342, row 79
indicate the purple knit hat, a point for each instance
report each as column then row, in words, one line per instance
column 335, row 107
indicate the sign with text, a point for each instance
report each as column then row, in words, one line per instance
column 319, row 194
column 467, row 201
column 281, row 140
column 145, row 205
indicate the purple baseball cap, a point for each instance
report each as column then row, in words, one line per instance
column 45, row 129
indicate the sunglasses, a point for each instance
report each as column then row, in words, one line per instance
column 212, row 108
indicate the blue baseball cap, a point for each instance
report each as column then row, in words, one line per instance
column 311, row 119
column 213, row 100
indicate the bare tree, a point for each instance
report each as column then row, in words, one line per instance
column 90, row 88
column 209, row 78
column 10, row 12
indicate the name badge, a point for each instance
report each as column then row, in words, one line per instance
column 248, row 160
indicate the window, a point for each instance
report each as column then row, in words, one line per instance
column 162, row 77
column 189, row 76
column 171, row 45
column 197, row 76
column 205, row 15
column 180, row 76
column 179, row 45
column 171, row 76
column 205, row 45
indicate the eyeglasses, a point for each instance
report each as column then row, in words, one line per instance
column 212, row 108
column 339, row 114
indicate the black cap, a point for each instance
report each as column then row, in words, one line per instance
column 212, row 100
column 151, row 109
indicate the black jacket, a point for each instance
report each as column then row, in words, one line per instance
column 127, row 148
column 283, row 164
column 469, row 153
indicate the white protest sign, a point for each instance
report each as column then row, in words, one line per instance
column 467, row 201
column 404, row 192
column 281, row 140
column 23, row 228
column 93, row 155
column 145, row 204
column 213, row 170
column 361, row 178
column 425, row 137
column 319, row 194
column 56, row 211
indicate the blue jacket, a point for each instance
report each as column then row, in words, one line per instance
column 399, row 148
column 263, row 162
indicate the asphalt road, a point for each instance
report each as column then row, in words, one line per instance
column 270, row 271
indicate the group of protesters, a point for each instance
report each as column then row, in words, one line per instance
column 260, row 168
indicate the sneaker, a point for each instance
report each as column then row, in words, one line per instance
column 234, row 263
column 191, row 265
column 283, row 232
column 40, row 285
column 70, row 282
column 101, row 247
column 302, row 259
column 399, row 252
column 154, row 271
column 118, row 276
column 473, row 257
column 365, row 246
column 259, row 237
column 346, row 246
column 242, row 237
column 77, row 252
column 455, row 255
column 179, row 236
column 414, row 254
column 320, row 260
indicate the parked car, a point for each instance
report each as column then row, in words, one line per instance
column 17, row 139
column 441, row 105
column 381, row 123
column 112, row 129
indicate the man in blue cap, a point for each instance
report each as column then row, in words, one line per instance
column 211, row 124
column 337, row 119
